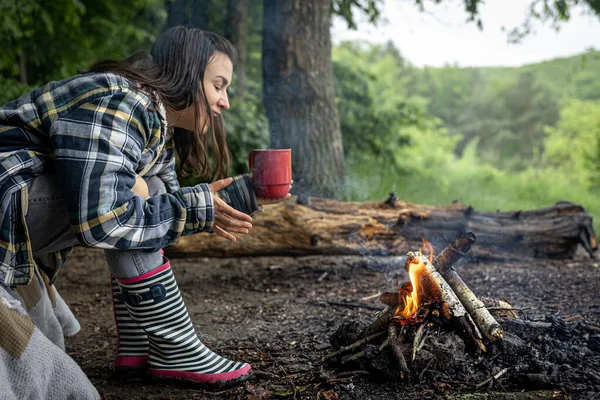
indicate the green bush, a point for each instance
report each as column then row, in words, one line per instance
column 11, row 89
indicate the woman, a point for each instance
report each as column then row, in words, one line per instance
column 90, row 160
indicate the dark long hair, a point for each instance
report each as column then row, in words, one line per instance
column 174, row 70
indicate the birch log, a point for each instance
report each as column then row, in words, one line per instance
column 484, row 320
column 436, row 288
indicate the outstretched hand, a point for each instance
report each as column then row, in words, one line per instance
column 228, row 219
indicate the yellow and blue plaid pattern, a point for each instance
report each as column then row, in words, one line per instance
column 98, row 131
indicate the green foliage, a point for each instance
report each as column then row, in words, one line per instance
column 43, row 41
column 346, row 10
column 506, row 109
column 572, row 148
column 548, row 11
column 378, row 118
column 448, row 90
column 11, row 89
column 571, row 77
column 553, row 12
column 508, row 120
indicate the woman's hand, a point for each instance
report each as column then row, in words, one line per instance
column 140, row 188
column 228, row 219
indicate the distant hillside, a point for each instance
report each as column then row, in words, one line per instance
column 507, row 110
column 577, row 76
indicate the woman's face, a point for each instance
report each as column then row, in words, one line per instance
column 217, row 78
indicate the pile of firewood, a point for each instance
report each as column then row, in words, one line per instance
column 441, row 301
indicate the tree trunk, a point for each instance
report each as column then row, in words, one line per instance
column 188, row 13
column 236, row 30
column 299, row 92
column 396, row 227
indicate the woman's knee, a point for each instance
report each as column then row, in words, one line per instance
column 47, row 218
column 132, row 263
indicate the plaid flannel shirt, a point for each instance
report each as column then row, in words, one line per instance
column 98, row 132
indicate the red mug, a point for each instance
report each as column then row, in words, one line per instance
column 271, row 172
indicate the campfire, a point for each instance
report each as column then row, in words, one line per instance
column 435, row 299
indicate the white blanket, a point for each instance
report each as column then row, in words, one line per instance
column 33, row 363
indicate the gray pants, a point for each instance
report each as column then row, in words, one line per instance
column 50, row 231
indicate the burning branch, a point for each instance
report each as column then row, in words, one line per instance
column 483, row 319
column 435, row 287
column 381, row 322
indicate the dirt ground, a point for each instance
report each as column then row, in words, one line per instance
column 273, row 312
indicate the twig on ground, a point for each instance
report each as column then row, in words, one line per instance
column 591, row 328
column 419, row 336
column 243, row 323
column 352, row 346
column 371, row 297
column 393, row 336
column 354, row 305
column 258, row 372
column 351, row 374
column 291, row 381
column 508, row 308
column 425, row 369
column 340, row 380
column 491, row 378
column 352, row 357
column 422, row 342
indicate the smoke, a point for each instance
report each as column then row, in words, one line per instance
column 389, row 266
column 359, row 187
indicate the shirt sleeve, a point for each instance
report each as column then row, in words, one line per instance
column 168, row 174
column 97, row 148
column 240, row 195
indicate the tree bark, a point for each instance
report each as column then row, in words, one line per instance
column 299, row 93
column 394, row 228
column 236, row 31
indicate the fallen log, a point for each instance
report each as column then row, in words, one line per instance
column 395, row 227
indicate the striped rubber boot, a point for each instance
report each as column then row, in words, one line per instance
column 132, row 341
column 155, row 304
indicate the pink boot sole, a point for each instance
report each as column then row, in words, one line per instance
column 131, row 362
column 222, row 378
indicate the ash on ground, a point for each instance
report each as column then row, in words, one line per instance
column 532, row 355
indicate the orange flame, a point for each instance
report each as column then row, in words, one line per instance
column 413, row 300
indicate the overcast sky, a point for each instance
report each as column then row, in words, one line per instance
column 442, row 35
